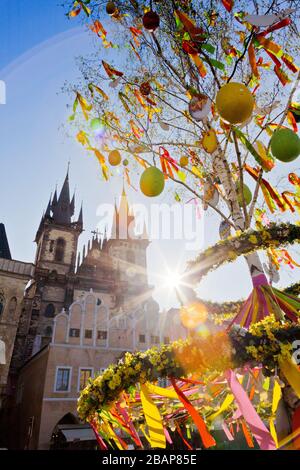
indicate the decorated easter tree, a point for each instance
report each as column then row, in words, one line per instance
column 199, row 97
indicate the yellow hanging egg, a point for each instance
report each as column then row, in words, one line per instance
column 209, row 141
column 234, row 102
column 184, row 161
column 152, row 182
column 114, row 158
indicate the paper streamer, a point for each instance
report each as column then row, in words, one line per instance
column 226, row 403
column 153, row 419
column 207, row 439
column 291, row 373
column 275, row 401
column 257, row 427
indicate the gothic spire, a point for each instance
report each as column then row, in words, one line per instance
column 48, row 210
column 80, row 217
column 62, row 211
column 4, row 246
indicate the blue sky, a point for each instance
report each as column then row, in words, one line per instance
column 38, row 50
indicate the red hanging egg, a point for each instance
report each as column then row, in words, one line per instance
column 111, row 8
column 145, row 88
column 151, row 21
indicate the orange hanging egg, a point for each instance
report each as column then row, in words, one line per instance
column 114, row 158
column 184, row 161
column 234, row 102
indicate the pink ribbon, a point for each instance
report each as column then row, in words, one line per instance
column 258, row 429
column 227, row 432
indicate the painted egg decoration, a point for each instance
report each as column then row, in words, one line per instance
column 199, row 107
column 114, row 158
column 111, row 8
column 145, row 88
column 209, row 141
column 285, row 145
column 152, row 182
column 224, row 229
column 234, row 103
column 184, row 161
column 151, row 21
column 247, row 194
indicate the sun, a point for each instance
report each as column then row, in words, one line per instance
column 172, row 279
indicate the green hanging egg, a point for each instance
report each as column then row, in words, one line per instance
column 152, row 182
column 285, row 145
column 95, row 124
column 247, row 194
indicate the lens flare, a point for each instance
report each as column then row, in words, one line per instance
column 193, row 315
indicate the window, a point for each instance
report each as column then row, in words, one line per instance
column 102, row 334
column 88, row 334
column 48, row 331
column 130, row 257
column 122, row 323
column 154, row 339
column 2, row 301
column 62, row 383
column 50, row 311
column 84, row 375
column 60, row 249
column 74, row 333
column 166, row 339
column 142, row 338
column 12, row 306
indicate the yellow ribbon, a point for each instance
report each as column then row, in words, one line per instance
column 226, row 403
column 291, row 373
column 153, row 419
column 275, row 401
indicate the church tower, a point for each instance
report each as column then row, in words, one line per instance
column 53, row 282
column 128, row 251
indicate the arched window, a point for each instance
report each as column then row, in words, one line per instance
column 48, row 331
column 50, row 311
column 60, row 249
column 12, row 306
column 2, row 301
column 130, row 257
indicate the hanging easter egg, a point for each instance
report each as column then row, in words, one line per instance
column 152, row 182
column 247, row 194
column 199, row 107
column 209, row 141
column 114, row 158
column 285, row 145
column 151, row 21
column 145, row 88
column 184, row 161
column 125, row 162
column 210, row 195
column 224, row 229
column 111, row 8
column 96, row 124
column 234, row 102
